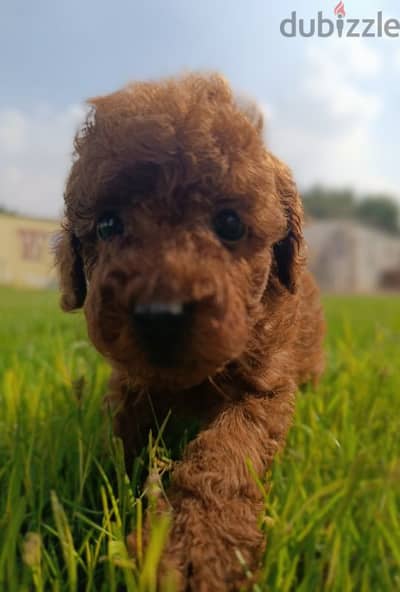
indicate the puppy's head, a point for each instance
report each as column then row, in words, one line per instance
column 177, row 221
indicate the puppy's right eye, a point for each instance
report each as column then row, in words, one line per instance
column 108, row 226
column 229, row 226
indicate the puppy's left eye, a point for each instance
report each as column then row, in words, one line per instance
column 108, row 226
column 229, row 226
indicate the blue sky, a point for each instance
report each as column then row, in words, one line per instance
column 332, row 106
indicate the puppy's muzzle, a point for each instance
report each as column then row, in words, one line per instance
column 162, row 330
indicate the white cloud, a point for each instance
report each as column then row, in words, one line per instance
column 12, row 131
column 35, row 153
column 331, row 139
column 267, row 111
column 354, row 58
column 335, row 71
column 361, row 60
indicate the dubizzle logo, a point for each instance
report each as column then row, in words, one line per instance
column 322, row 26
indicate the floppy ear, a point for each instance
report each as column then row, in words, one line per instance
column 70, row 269
column 289, row 251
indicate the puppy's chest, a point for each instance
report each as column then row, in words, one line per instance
column 178, row 416
column 196, row 405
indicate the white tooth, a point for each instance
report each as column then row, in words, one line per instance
column 174, row 308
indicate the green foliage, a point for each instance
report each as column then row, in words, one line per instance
column 4, row 210
column 332, row 513
column 329, row 203
column 378, row 211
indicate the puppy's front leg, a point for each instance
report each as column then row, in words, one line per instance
column 215, row 500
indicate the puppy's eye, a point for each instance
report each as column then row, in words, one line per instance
column 108, row 226
column 229, row 226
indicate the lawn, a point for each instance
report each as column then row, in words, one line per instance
column 332, row 513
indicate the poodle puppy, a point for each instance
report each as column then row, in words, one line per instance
column 183, row 242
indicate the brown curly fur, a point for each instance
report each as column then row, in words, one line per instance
column 166, row 156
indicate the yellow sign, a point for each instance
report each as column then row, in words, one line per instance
column 26, row 257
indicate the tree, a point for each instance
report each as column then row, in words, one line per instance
column 329, row 203
column 380, row 211
column 4, row 210
column 376, row 210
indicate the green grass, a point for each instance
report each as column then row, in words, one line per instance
column 65, row 502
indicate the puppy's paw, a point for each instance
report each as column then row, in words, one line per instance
column 211, row 552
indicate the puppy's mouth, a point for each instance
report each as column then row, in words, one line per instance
column 163, row 330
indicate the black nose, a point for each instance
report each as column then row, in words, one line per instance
column 161, row 329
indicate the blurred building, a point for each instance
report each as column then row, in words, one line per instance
column 348, row 257
column 25, row 251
